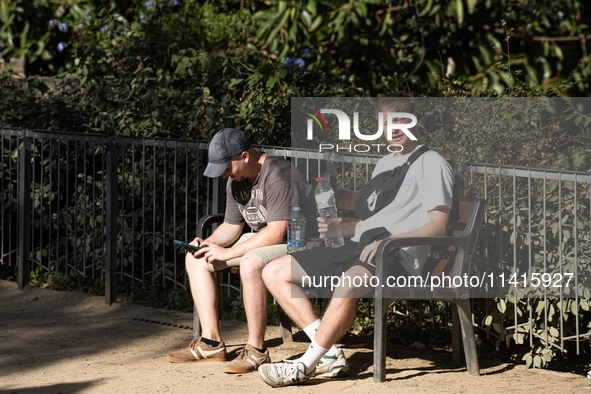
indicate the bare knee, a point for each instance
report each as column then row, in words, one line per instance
column 277, row 270
column 195, row 267
column 251, row 268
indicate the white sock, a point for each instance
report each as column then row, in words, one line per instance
column 312, row 356
column 332, row 351
column 311, row 330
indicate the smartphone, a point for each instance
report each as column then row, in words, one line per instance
column 186, row 245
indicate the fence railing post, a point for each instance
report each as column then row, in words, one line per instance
column 456, row 331
column 218, row 206
column 24, row 213
column 218, row 196
column 111, row 223
column 458, row 183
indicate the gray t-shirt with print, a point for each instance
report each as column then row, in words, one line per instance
column 278, row 187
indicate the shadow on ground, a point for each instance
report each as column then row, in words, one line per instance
column 53, row 389
column 41, row 327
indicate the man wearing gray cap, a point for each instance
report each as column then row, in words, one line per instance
column 261, row 193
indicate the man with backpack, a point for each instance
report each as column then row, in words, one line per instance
column 401, row 200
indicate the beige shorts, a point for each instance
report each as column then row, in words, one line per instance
column 266, row 253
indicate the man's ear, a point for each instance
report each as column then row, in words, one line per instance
column 245, row 156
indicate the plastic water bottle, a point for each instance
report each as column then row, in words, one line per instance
column 327, row 208
column 296, row 231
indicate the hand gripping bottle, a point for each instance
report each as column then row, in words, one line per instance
column 296, row 231
column 327, row 208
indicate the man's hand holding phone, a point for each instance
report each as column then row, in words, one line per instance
column 200, row 248
column 194, row 247
column 210, row 252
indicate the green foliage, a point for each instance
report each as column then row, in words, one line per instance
column 496, row 315
column 535, row 132
column 387, row 46
column 33, row 30
column 169, row 77
column 187, row 70
column 427, row 322
column 70, row 196
column 559, row 242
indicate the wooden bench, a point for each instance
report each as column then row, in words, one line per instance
column 465, row 220
column 464, row 226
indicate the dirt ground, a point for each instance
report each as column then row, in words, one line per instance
column 68, row 342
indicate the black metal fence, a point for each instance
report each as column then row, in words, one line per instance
column 537, row 221
column 109, row 208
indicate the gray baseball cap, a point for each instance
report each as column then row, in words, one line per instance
column 224, row 146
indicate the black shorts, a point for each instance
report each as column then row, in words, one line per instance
column 322, row 261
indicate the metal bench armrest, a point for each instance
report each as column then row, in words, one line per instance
column 207, row 221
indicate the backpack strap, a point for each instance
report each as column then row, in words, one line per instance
column 415, row 155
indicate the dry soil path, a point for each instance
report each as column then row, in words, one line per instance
column 68, row 342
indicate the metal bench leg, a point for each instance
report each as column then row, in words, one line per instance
column 196, row 323
column 219, row 277
column 465, row 315
column 456, row 335
column 284, row 325
column 379, row 339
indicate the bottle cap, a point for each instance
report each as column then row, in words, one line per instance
column 296, row 208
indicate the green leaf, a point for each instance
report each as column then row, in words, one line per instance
column 501, row 305
column 460, row 11
column 311, row 6
column 427, row 8
column 528, row 360
column 361, row 8
column 271, row 82
column 317, row 22
column 307, row 18
column 557, row 50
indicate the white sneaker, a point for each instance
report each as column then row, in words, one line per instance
column 332, row 366
column 285, row 373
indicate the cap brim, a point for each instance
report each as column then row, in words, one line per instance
column 215, row 170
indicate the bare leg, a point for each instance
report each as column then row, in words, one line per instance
column 256, row 298
column 204, row 289
column 342, row 310
column 282, row 277
column 336, row 321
